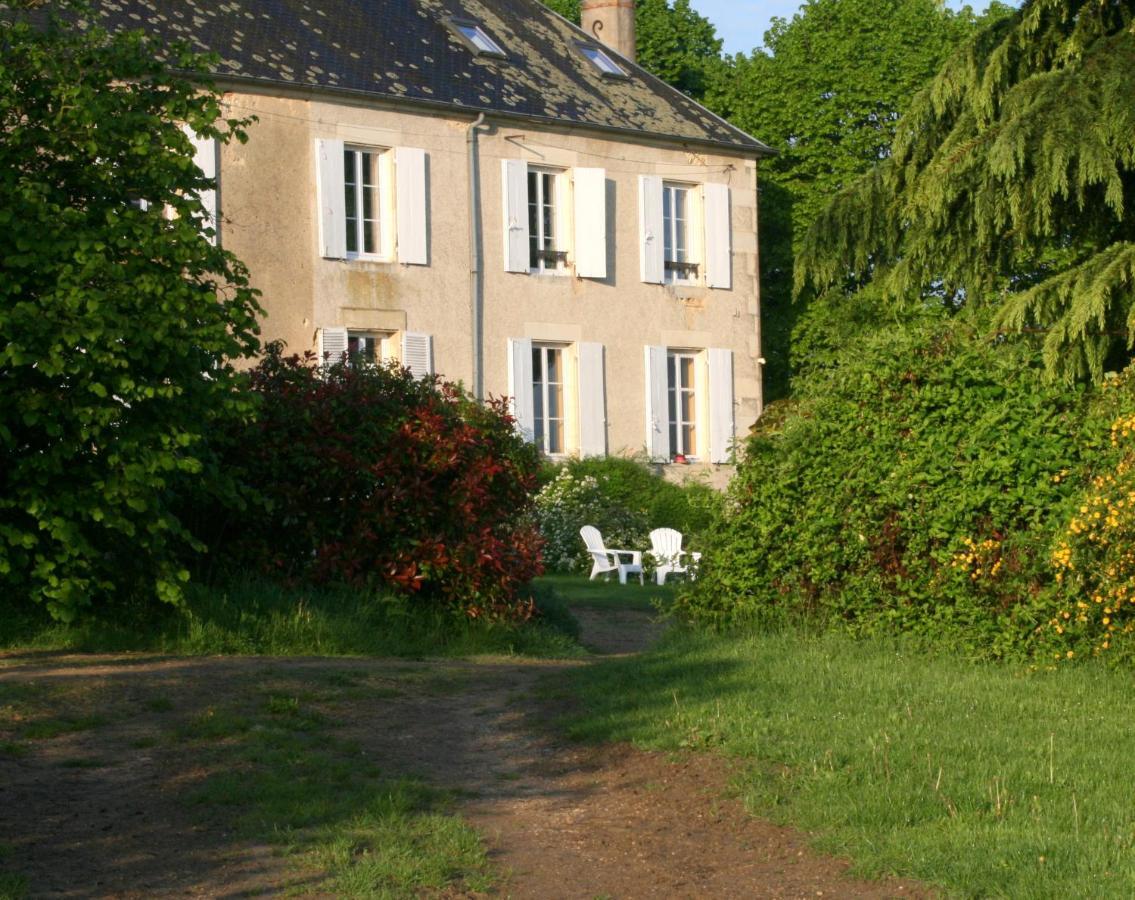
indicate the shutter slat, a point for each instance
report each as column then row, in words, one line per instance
column 721, row 417
column 332, row 203
column 520, row 386
column 331, row 345
column 417, row 353
column 657, row 409
column 591, row 223
column 592, row 401
column 651, row 225
column 413, row 206
column 514, row 178
column 718, row 237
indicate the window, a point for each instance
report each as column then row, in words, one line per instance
column 367, row 348
column 685, row 233
column 676, row 232
column 681, row 387
column 364, row 199
column 555, row 220
column 602, row 61
column 544, row 254
column 373, row 203
column 557, row 393
column 548, row 398
column 474, row 36
column 689, row 403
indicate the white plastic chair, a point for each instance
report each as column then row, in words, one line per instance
column 666, row 548
column 606, row 559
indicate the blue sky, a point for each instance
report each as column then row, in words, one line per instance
column 742, row 23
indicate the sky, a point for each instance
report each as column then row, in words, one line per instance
column 743, row 23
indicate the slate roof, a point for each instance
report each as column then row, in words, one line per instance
column 404, row 50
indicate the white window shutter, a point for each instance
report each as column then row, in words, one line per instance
column 205, row 158
column 413, row 206
column 418, row 353
column 657, row 408
column 721, row 420
column 651, row 229
column 514, row 178
column 331, row 345
column 592, row 402
column 718, row 237
column 332, row 203
column 590, row 223
column 520, row 386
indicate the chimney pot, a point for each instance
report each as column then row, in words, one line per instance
column 612, row 23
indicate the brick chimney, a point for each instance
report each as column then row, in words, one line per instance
column 612, row 22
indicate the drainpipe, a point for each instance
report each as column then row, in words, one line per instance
column 476, row 281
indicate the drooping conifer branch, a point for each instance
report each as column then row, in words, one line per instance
column 1010, row 180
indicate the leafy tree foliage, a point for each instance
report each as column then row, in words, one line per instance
column 1011, row 182
column 917, row 484
column 675, row 43
column 827, row 91
column 365, row 476
column 118, row 319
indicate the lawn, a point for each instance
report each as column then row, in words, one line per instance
column 607, row 593
column 262, row 755
column 264, row 619
column 990, row 780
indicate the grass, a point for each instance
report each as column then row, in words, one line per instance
column 281, row 775
column 265, row 619
column 12, row 886
column 29, row 711
column 989, row 780
column 577, row 590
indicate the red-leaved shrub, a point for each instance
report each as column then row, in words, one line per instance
column 364, row 475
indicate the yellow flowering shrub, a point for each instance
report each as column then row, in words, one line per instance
column 1094, row 558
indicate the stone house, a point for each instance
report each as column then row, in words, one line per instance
column 481, row 190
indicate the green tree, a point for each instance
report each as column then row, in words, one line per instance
column 119, row 318
column 676, row 43
column 827, row 91
column 1010, row 182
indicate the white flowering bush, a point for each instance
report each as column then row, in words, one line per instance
column 572, row 500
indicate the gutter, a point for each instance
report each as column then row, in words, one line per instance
column 476, row 277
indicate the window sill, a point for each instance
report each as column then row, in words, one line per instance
column 550, row 274
column 384, row 261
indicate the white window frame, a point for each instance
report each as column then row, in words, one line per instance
column 476, row 38
column 674, row 391
column 542, row 390
column 559, row 182
column 599, row 58
column 381, row 205
column 690, row 249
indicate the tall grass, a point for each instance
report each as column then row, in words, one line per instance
column 607, row 593
column 989, row 780
column 260, row 618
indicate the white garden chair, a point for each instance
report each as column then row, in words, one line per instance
column 669, row 557
column 606, row 559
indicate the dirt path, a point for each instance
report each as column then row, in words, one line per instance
column 562, row 821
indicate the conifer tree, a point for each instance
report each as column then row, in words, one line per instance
column 1010, row 181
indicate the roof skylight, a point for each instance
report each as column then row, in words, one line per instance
column 602, row 61
column 476, row 37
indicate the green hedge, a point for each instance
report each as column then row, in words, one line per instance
column 918, row 484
